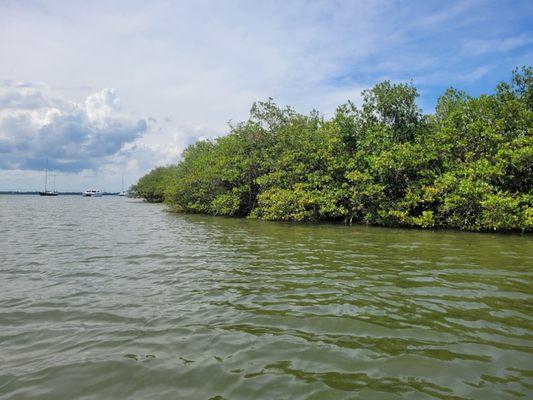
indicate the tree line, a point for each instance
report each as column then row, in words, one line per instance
column 469, row 165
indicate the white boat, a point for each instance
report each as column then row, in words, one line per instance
column 93, row 193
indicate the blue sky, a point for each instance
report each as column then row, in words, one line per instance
column 104, row 88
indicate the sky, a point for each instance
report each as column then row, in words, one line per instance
column 105, row 89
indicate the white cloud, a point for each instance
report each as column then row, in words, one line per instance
column 74, row 136
column 500, row 45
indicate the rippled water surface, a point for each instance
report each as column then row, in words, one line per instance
column 111, row 298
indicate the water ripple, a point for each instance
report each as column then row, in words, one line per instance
column 113, row 298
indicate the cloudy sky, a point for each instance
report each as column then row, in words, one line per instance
column 103, row 88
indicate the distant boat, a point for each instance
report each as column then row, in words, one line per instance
column 93, row 193
column 122, row 192
column 46, row 191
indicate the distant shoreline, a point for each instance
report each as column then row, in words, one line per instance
column 14, row 192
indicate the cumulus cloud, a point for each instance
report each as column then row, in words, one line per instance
column 35, row 125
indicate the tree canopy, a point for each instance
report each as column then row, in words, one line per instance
column 467, row 166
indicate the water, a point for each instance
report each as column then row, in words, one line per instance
column 113, row 298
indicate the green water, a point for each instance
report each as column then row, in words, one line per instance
column 110, row 298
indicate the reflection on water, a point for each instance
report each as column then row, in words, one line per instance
column 112, row 298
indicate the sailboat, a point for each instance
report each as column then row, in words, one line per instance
column 46, row 191
column 122, row 192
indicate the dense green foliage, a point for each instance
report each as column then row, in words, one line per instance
column 467, row 166
column 152, row 186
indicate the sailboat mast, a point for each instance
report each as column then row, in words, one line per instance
column 54, row 181
column 46, row 176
